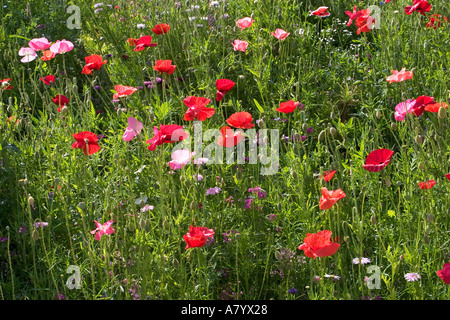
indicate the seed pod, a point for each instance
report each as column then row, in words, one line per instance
column 418, row 139
column 82, row 205
column 119, row 111
column 430, row 217
column 30, row 201
column 421, row 166
column 373, row 220
column 142, row 223
column 426, row 239
column 332, row 115
column 321, row 135
column 387, row 181
column 193, row 205
column 433, row 64
column 378, row 114
column 394, row 126
column 442, row 112
column 36, row 155
column 56, row 181
column 278, row 255
column 141, row 203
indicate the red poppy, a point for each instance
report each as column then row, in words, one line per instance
column 47, row 55
column 378, row 159
column 287, row 107
column 241, row 120
column 329, row 198
column 319, row 244
column 421, row 6
column 161, row 28
column 427, row 184
column 321, row 12
column 399, row 76
column 223, row 86
column 364, row 22
column 197, row 109
column 444, row 273
column 123, row 91
column 328, row 175
column 435, row 18
column 434, row 107
column 87, row 141
column 93, row 62
column 197, row 236
column 60, row 100
column 47, row 79
column 164, row 66
column 5, row 84
column 448, row 176
column 229, row 138
column 419, row 105
column 168, row 134
column 353, row 15
column 142, row 43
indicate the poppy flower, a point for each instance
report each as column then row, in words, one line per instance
column 434, row 107
column 180, row 158
column 5, row 84
column 241, row 120
column 123, row 91
column 87, row 141
column 444, row 273
column 421, row 6
column 38, row 44
column 319, row 244
column 103, row 229
column 403, row 108
column 280, row 34
column 245, row 23
column 287, row 107
column 399, row 76
column 28, row 54
column 197, row 236
column 328, row 175
column 60, row 100
column 196, row 108
column 47, row 79
column 167, row 134
column 378, row 159
column 164, row 66
column 143, row 42
column 448, row 176
column 321, row 12
column 435, row 18
column 427, row 184
column 47, row 55
column 223, row 86
column 418, row 106
column 229, row 138
column 93, row 62
column 60, row 47
column 240, row 45
column 134, row 128
column 161, row 28
column 329, row 198
column 353, row 15
column 364, row 22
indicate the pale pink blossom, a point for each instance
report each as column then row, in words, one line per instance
column 180, row 158
column 403, row 108
column 28, row 54
column 38, row 44
column 134, row 128
column 244, row 23
column 61, row 46
column 280, row 34
column 240, row 45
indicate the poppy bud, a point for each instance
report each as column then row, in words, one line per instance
column 56, row 181
column 387, row 181
column 141, row 203
column 31, row 201
column 421, row 166
column 305, row 127
column 82, row 205
column 426, row 239
column 130, row 227
column 378, row 114
column 193, row 205
column 442, row 112
column 293, row 174
column 166, row 224
column 142, row 223
column 64, row 110
column 394, row 126
column 418, row 139
column 35, row 235
column 175, row 263
column 278, row 255
column 9, row 109
column 36, row 155
column 241, row 76
column 321, row 135
column 370, row 129
column 332, row 115
column 119, row 111
column 436, row 137
column 402, row 257
column 333, row 131
column 373, row 220
column 430, row 217
column 433, row 64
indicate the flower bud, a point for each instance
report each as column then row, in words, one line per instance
column 387, row 181
column 378, row 114
column 442, row 112
column 332, row 115
column 321, row 135
column 373, row 220
column 30, row 201
column 333, row 131
column 418, row 139
column 35, row 235
column 426, row 239
column 430, row 217
column 421, row 166
column 394, row 126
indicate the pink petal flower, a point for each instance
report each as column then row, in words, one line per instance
column 403, row 108
column 280, row 34
column 240, row 45
column 28, row 54
column 38, row 44
column 134, row 128
column 62, row 46
column 180, row 158
column 244, row 23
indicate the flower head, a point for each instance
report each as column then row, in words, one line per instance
column 93, row 62
column 410, row 277
column 320, row 12
column 103, row 229
column 240, row 45
column 196, row 108
column 87, row 141
column 329, row 198
column 280, row 34
column 134, row 128
column 319, row 244
column 245, row 23
column 38, row 44
column 399, row 76
column 444, row 273
column 164, row 66
column 197, row 236
column 28, row 54
column 60, row 47
column 161, row 28
column 378, row 159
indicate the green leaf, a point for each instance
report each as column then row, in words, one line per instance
column 261, row 110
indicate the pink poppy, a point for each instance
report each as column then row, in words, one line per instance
column 28, row 54
column 38, row 44
column 244, row 23
column 353, row 15
column 280, row 34
column 399, row 76
column 103, row 229
column 134, row 128
column 123, row 91
column 321, row 12
column 240, row 45
column 180, row 158
column 60, row 47
column 403, row 108
column 378, row 159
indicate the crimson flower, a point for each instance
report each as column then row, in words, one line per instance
column 87, row 141
column 421, row 6
column 167, row 134
column 61, row 101
column 123, row 91
column 164, row 66
column 353, row 15
column 161, row 28
column 427, row 184
column 223, row 86
column 241, row 120
column 435, row 18
column 319, row 244
column 47, row 79
column 419, row 105
column 229, row 138
column 287, row 107
column 196, row 108
column 434, row 107
column 448, row 176
column 328, row 175
column 197, row 236
column 364, row 22
column 5, row 84
column 444, row 273
column 321, row 12
column 142, row 43
column 378, row 159
column 399, row 76
column 93, row 62
column 329, row 198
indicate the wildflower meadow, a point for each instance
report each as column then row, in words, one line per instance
column 224, row 150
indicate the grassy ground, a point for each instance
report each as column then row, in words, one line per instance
column 339, row 77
